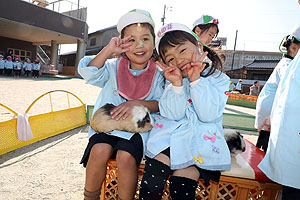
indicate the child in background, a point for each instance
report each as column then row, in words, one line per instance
column 282, row 160
column 133, row 79
column 238, row 86
column 289, row 47
column 188, row 137
column 206, row 28
column 27, row 67
column 2, row 63
column 9, row 66
column 36, row 68
column 17, row 67
column 231, row 86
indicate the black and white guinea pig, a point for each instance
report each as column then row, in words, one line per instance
column 235, row 141
column 138, row 121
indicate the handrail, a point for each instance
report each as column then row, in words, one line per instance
column 16, row 114
column 51, row 100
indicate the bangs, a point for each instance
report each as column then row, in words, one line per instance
column 172, row 39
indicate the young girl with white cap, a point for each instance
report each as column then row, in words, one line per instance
column 188, row 137
column 206, row 28
column 289, row 46
column 133, row 79
column 17, row 67
column 2, row 61
column 280, row 100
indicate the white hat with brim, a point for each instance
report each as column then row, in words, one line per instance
column 133, row 17
column 205, row 19
column 295, row 34
column 173, row 27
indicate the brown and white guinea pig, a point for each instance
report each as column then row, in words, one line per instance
column 235, row 141
column 138, row 121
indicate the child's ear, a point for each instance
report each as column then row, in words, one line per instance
column 198, row 31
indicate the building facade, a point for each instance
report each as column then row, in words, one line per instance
column 25, row 27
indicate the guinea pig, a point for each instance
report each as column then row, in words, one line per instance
column 235, row 142
column 138, row 121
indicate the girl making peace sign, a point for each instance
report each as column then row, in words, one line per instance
column 188, row 139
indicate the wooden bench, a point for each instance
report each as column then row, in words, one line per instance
column 243, row 181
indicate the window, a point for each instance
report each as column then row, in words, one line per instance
column 22, row 54
column 93, row 42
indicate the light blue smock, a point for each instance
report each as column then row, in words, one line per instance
column 36, row 66
column 27, row 66
column 282, row 160
column 17, row 65
column 238, row 86
column 231, row 86
column 106, row 78
column 265, row 99
column 2, row 63
column 189, row 120
column 9, row 64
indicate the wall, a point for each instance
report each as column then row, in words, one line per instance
column 68, row 70
column 6, row 43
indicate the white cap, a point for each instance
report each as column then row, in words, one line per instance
column 133, row 17
column 205, row 19
column 173, row 27
column 295, row 33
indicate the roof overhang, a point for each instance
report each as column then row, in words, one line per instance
column 36, row 35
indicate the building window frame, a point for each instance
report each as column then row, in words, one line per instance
column 93, row 42
column 21, row 53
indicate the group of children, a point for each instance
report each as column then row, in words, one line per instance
column 14, row 68
column 179, row 79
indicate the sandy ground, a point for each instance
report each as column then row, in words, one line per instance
column 50, row 169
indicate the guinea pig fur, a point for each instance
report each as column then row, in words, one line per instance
column 138, row 121
column 235, row 142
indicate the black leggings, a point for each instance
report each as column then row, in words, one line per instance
column 263, row 140
column 156, row 174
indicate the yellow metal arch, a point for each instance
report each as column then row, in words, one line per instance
column 29, row 107
column 16, row 114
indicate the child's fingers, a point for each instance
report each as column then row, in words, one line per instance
column 126, row 45
column 162, row 65
column 126, row 39
column 203, row 56
column 118, row 113
column 194, row 56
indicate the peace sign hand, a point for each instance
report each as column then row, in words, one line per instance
column 172, row 73
column 196, row 67
column 118, row 45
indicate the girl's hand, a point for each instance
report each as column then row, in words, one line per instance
column 196, row 67
column 172, row 73
column 266, row 124
column 118, row 45
column 123, row 110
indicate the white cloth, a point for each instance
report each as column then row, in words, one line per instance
column 266, row 97
column 23, row 127
column 282, row 161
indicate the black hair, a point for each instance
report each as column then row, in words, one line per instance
column 173, row 38
column 149, row 26
column 206, row 27
column 288, row 40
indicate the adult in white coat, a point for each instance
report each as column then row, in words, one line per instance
column 282, row 161
column 289, row 47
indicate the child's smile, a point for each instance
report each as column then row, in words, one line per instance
column 142, row 46
column 181, row 56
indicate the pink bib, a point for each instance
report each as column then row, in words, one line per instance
column 135, row 87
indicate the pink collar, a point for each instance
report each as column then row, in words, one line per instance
column 135, row 87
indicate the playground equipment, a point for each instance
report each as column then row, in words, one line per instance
column 42, row 125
